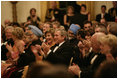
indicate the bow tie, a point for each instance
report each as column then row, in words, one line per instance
column 56, row 45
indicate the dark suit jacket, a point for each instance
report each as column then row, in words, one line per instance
column 61, row 56
column 111, row 13
column 4, row 50
column 106, row 16
column 77, row 56
column 89, row 69
column 28, row 57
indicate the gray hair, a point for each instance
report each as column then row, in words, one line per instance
column 113, row 29
column 102, row 29
column 63, row 33
column 9, row 27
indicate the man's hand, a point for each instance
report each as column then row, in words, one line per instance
column 75, row 69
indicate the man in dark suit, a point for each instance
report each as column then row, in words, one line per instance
column 92, row 61
column 113, row 11
column 103, row 14
column 61, row 52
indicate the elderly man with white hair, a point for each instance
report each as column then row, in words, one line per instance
column 92, row 61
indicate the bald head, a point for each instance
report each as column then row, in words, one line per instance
column 95, row 41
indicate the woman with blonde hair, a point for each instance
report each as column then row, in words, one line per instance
column 18, row 48
column 109, row 46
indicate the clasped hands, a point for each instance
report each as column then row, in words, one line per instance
column 75, row 69
column 42, row 49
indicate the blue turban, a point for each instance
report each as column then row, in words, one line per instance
column 74, row 28
column 35, row 30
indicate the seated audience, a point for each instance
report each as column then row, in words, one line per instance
column 26, row 57
column 47, row 44
column 72, row 38
column 92, row 61
column 18, row 48
column 33, row 38
column 61, row 52
column 66, row 45
column 14, row 52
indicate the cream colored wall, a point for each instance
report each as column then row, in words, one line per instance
column 6, row 11
column 23, row 9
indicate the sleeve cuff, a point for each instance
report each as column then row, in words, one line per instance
column 79, row 74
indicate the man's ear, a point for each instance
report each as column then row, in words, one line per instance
column 63, row 37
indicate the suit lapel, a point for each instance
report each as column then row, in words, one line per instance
column 59, row 48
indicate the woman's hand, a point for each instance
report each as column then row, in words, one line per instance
column 9, row 47
column 45, row 47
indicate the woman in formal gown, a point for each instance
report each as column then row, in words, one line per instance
column 84, row 14
column 68, row 16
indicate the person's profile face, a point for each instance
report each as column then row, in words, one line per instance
column 104, row 48
column 58, row 38
column 71, row 34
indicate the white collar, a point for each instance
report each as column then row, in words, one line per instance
column 61, row 43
